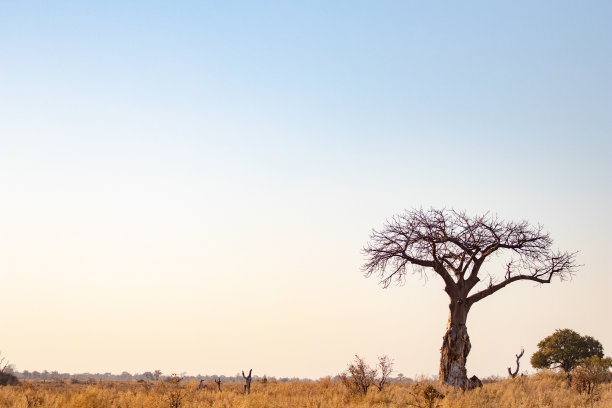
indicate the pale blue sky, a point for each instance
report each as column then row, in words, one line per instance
column 174, row 177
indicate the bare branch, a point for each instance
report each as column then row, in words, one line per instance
column 3, row 364
column 518, row 357
column 561, row 265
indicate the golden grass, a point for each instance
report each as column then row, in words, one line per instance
column 542, row 390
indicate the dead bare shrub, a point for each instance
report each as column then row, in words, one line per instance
column 361, row 376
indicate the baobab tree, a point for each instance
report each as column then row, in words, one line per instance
column 455, row 246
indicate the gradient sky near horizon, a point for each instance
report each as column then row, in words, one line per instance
column 187, row 186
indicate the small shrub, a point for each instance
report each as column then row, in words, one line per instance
column 8, row 379
column 426, row 396
column 590, row 373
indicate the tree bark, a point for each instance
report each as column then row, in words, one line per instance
column 455, row 347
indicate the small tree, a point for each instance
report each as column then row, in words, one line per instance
column 565, row 350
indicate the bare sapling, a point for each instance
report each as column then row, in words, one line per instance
column 247, row 379
column 385, row 365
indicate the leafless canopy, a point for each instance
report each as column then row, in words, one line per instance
column 456, row 245
column 362, row 376
column 385, row 364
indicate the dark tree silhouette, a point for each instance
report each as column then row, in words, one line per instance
column 6, row 373
column 218, row 382
column 518, row 357
column 455, row 246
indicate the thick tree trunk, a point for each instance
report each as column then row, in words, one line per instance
column 455, row 347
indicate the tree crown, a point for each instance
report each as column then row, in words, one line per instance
column 456, row 245
column 565, row 349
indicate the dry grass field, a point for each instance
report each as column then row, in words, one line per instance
column 542, row 390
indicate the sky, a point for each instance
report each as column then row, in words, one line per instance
column 187, row 186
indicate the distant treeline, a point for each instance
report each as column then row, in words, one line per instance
column 126, row 376
column 156, row 376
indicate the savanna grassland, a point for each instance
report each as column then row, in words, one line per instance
column 541, row 390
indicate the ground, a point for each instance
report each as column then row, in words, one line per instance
column 542, row 390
